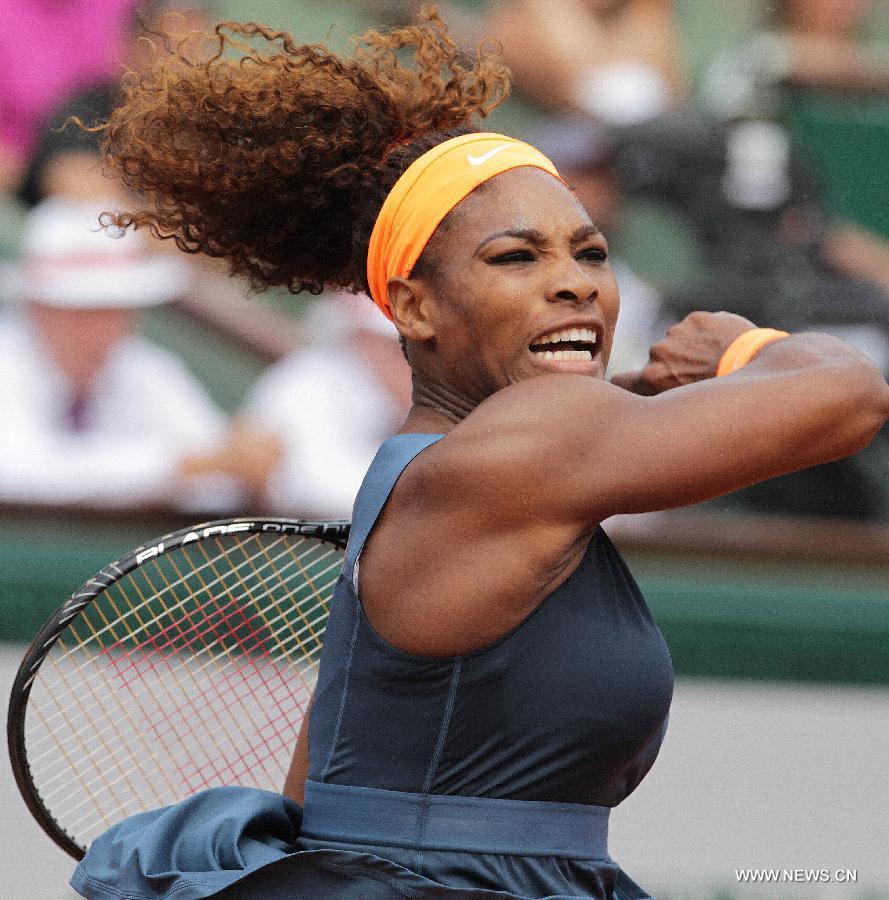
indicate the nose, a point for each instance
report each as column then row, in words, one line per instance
column 573, row 283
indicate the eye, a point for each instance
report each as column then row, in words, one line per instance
column 595, row 254
column 512, row 256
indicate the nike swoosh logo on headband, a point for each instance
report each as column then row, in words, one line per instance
column 478, row 160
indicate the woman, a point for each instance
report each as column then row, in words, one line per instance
column 500, row 684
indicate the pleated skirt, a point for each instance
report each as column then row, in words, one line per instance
column 353, row 843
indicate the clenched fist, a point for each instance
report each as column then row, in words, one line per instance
column 690, row 352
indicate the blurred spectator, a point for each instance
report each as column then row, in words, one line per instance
column 745, row 185
column 816, row 45
column 49, row 50
column 766, row 238
column 585, row 153
column 313, row 422
column 813, row 44
column 756, row 210
column 616, row 60
column 66, row 160
column 91, row 412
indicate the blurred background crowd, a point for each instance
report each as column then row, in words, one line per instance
column 735, row 154
column 732, row 152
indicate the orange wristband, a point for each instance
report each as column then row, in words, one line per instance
column 742, row 349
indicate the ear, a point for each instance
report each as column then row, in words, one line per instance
column 412, row 309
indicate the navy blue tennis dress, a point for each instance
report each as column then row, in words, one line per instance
column 487, row 775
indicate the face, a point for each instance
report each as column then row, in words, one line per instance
column 519, row 286
column 79, row 341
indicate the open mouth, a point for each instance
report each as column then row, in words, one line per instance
column 567, row 345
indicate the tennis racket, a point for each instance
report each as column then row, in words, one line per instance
column 187, row 664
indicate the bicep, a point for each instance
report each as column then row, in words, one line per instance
column 701, row 441
column 576, row 451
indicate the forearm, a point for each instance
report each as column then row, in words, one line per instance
column 561, row 52
column 858, row 253
column 835, row 397
column 802, row 401
column 835, row 64
column 805, row 400
column 546, row 51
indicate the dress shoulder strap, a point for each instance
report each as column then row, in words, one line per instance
column 391, row 460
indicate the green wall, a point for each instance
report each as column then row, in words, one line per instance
column 731, row 618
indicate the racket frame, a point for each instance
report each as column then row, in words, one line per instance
column 335, row 532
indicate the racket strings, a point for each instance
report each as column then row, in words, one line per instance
column 320, row 611
column 307, row 684
column 202, row 770
column 195, row 670
column 267, row 733
column 119, row 618
column 134, row 608
column 218, row 618
column 100, row 734
column 109, row 627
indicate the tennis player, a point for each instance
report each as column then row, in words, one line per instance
column 492, row 682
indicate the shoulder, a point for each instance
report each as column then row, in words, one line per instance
column 538, row 413
column 517, row 459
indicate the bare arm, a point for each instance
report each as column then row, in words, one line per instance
column 525, row 478
column 859, row 253
column 835, row 64
column 295, row 783
column 803, row 401
column 548, row 45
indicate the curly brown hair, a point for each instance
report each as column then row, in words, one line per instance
column 280, row 161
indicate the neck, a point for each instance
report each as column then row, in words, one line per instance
column 436, row 408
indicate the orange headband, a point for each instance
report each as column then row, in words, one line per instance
column 430, row 188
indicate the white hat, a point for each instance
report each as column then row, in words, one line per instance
column 69, row 260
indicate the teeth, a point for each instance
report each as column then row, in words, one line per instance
column 569, row 334
column 568, row 355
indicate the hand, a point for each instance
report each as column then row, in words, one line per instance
column 249, row 454
column 690, row 352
